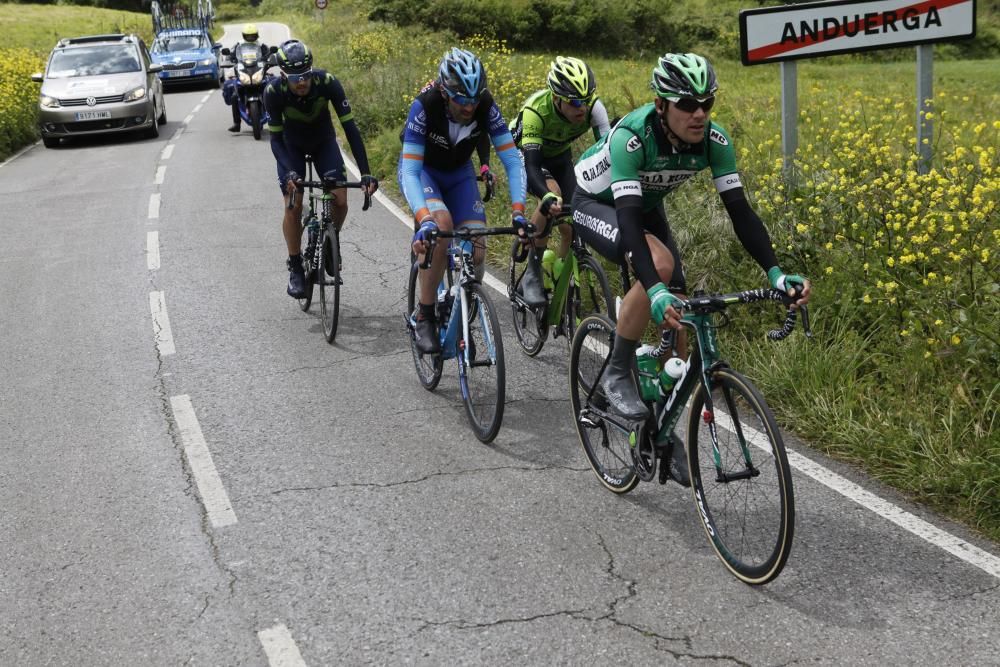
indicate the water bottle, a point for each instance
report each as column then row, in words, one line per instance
column 647, row 373
column 548, row 275
column 442, row 303
column 673, row 371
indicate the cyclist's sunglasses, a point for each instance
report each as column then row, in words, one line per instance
column 462, row 99
column 576, row 104
column 691, row 104
column 295, row 78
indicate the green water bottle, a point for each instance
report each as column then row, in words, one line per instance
column 648, row 385
column 548, row 262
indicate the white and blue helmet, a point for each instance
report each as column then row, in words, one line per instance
column 462, row 73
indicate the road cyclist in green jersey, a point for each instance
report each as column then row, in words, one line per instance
column 544, row 130
column 618, row 210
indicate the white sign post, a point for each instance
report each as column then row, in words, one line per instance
column 817, row 29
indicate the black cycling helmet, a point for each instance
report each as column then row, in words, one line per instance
column 294, row 57
column 571, row 79
column 462, row 73
column 678, row 75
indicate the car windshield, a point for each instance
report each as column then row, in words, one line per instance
column 94, row 60
column 174, row 43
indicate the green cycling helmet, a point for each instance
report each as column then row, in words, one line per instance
column 678, row 75
column 571, row 78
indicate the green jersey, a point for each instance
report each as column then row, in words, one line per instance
column 635, row 158
column 540, row 123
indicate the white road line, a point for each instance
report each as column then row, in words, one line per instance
column 205, row 99
column 196, row 109
column 168, row 150
column 161, row 324
column 180, row 130
column 153, row 251
column 939, row 538
column 280, row 647
column 160, row 173
column 213, row 494
column 154, row 206
column 187, row 119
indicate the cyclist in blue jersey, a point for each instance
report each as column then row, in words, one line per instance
column 300, row 124
column 446, row 122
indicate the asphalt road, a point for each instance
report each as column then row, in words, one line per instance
column 234, row 491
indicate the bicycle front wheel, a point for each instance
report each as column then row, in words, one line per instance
column 481, row 360
column 745, row 503
column 428, row 365
column 589, row 294
column 328, row 277
column 529, row 323
column 606, row 444
column 310, row 276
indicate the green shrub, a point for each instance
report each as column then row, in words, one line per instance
column 18, row 98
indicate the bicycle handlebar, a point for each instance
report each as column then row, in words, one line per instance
column 465, row 233
column 716, row 303
column 329, row 185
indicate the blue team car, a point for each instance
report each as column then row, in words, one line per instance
column 187, row 55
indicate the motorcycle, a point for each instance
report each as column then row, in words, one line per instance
column 246, row 85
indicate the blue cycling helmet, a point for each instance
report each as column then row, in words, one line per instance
column 462, row 73
column 294, row 57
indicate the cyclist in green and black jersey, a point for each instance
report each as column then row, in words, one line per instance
column 618, row 208
column 548, row 123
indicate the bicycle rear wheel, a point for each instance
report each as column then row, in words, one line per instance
column 428, row 365
column 606, row 445
column 747, row 506
column 328, row 277
column 481, row 371
column 529, row 323
column 589, row 294
column 310, row 277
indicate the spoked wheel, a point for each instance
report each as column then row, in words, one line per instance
column 589, row 294
column 328, row 277
column 747, row 506
column 310, row 273
column 482, row 366
column 606, row 444
column 529, row 323
column 428, row 365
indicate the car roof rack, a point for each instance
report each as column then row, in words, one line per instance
column 66, row 41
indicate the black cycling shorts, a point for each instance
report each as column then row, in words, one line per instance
column 597, row 225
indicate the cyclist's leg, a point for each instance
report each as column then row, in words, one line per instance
column 330, row 165
column 460, row 195
column 562, row 172
column 430, row 278
column 291, row 226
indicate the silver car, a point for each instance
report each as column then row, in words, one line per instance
column 97, row 85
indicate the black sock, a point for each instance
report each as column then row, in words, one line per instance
column 427, row 311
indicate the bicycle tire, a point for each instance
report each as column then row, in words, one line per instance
column 482, row 376
column 256, row 123
column 530, row 324
column 749, row 521
column 328, row 277
column 310, row 279
column 428, row 366
column 590, row 294
column 606, row 446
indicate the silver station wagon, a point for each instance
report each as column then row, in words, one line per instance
column 99, row 84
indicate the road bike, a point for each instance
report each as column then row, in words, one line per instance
column 469, row 332
column 321, row 260
column 740, row 478
column 579, row 288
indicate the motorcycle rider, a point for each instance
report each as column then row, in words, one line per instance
column 231, row 90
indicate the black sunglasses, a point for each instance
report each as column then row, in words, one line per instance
column 691, row 104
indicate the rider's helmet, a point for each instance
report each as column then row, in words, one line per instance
column 461, row 74
column 571, row 79
column 678, row 75
column 250, row 33
column 294, row 57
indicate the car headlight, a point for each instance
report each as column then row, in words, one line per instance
column 244, row 78
column 135, row 94
column 207, row 61
column 258, row 76
column 49, row 102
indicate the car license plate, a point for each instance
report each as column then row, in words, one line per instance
column 177, row 72
column 92, row 115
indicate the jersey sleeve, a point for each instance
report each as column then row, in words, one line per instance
column 411, row 160
column 627, row 155
column 722, row 160
column 274, row 104
column 333, row 90
column 599, row 119
column 532, row 128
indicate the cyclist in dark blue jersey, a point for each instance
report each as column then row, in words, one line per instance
column 300, row 125
column 446, row 123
